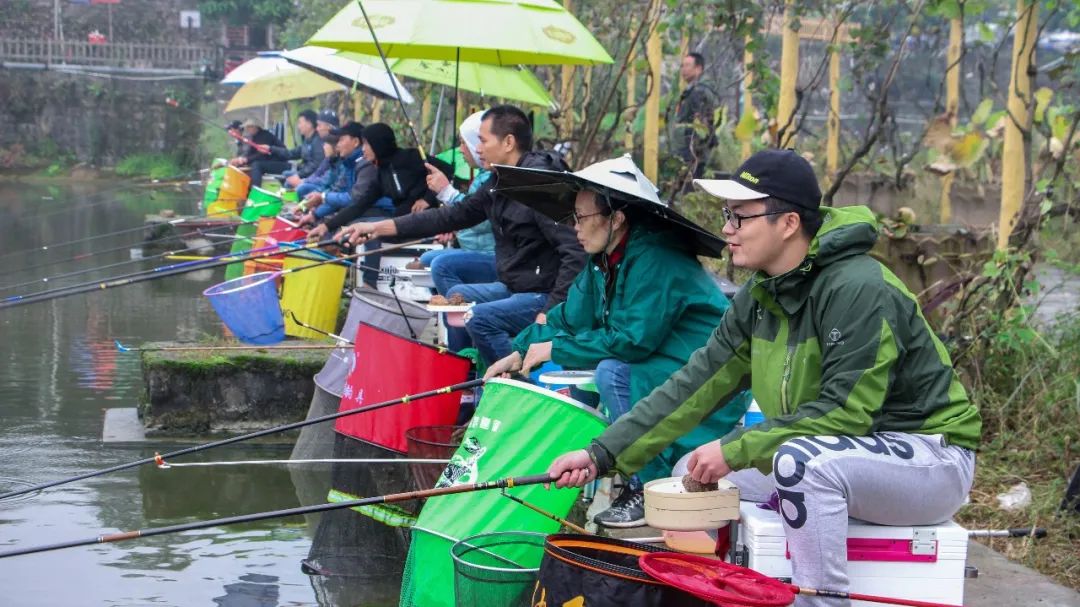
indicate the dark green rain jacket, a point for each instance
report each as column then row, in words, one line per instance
column 662, row 307
column 837, row 346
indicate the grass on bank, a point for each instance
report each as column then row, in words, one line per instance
column 154, row 166
column 1029, row 395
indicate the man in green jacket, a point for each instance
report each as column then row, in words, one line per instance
column 865, row 416
column 637, row 311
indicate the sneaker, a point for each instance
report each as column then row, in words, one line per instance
column 628, row 510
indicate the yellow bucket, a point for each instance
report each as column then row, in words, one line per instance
column 234, row 189
column 313, row 295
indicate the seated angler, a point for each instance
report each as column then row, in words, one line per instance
column 309, row 151
column 473, row 261
column 351, row 168
column 260, row 155
column 536, row 258
column 638, row 310
column 864, row 414
column 397, row 187
column 325, row 175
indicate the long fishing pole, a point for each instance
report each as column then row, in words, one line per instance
column 506, row 483
column 159, row 459
column 164, row 465
column 236, row 256
column 125, row 349
column 261, row 147
column 126, row 262
column 393, row 81
column 151, row 274
column 100, row 194
column 171, row 222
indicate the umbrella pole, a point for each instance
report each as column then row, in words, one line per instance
column 438, row 117
column 457, row 91
column 393, row 81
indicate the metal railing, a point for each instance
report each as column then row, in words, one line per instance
column 156, row 56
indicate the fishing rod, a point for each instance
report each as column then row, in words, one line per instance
column 393, row 81
column 294, row 462
column 171, row 222
column 151, row 274
column 125, row 349
column 261, row 147
column 552, row 516
column 505, row 483
column 100, row 194
column 192, row 266
column 159, row 459
column 341, row 340
column 164, row 255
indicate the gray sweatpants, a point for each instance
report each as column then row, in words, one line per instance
column 887, row 478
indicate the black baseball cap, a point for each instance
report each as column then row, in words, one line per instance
column 351, row 128
column 329, row 117
column 780, row 174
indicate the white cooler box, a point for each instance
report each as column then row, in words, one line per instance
column 918, row 563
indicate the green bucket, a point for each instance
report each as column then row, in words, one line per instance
column 213, row 187
column 290, row 196
column 501, row 441
column 264, row 202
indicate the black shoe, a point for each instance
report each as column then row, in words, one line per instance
column 628, row 510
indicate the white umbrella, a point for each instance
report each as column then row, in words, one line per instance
column 272, row 75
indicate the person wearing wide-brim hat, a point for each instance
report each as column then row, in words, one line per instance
column 260, row 154
column 636, row 312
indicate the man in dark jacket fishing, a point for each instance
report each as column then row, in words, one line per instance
column 536, row 258
column 864, row 414
column 261, row 156
column 309, row 152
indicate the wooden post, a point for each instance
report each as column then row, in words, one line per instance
column 748, row 98
column 1013, row 161
column 789, row 76
column 654, row 52
column 376, row 110
column 832, row 147
column 952, row 103
column 567, row 101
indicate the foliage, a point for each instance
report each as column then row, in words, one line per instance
column 154, row 166
column 241, row 12
column 307, row 19
column 1023, row 378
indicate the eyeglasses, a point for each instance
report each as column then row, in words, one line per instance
column 573, row 218
column 736, row 219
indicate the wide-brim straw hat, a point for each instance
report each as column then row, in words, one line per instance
column 553, row 192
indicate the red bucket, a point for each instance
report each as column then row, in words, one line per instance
column 389, row 367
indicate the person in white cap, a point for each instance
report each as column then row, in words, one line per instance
column 638, row 310
column 473, row 261
column 536, row 258
column 864, row 414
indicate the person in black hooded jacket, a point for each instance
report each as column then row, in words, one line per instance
column 536, row 258
column 399, row 188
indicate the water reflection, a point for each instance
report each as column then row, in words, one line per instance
column 59, row 370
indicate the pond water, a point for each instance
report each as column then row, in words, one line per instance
column 59, row 371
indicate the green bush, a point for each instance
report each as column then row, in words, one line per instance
column 154, row 166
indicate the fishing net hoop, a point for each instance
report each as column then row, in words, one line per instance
column 713, row 580
column 249, row 281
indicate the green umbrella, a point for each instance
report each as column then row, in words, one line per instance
column 453, row 157
column 514, row 83
column 500, row 32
